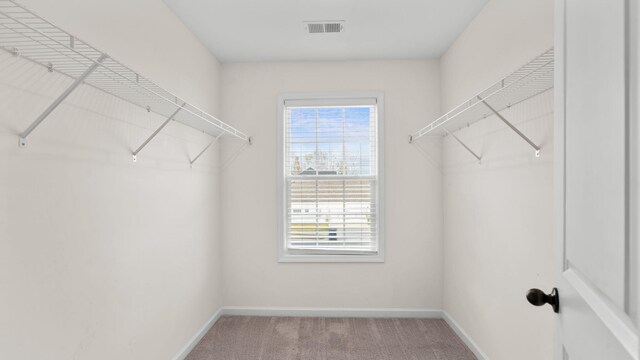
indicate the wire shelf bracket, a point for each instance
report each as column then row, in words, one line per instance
column 510, row 125
column 464, row 145
column 59, row 100
column 530, row 80
column 135, row 153
column 205, row 149
column 250, row 142
column 24, row 34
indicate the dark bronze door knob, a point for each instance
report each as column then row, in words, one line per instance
column 538, row 298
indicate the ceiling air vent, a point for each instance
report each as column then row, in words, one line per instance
column 322, row 27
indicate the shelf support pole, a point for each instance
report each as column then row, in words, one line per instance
column 59, row 100
column 515, row 129
column 206, row 148
column 135, row 153
column 463, row 144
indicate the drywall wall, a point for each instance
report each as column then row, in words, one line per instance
column 411, row 276
column 498, row 222
column 101, row 258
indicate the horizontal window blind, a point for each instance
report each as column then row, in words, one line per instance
column 331, row 175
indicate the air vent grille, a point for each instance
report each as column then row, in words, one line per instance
column 322, row 27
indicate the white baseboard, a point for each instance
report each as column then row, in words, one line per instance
column 330, row 312
column 464, row 336
column 182, row 354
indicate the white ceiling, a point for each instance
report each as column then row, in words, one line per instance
column 272, row 30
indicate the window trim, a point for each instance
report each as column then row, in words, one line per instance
column 283, row 255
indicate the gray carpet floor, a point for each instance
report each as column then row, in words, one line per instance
column 288, row 338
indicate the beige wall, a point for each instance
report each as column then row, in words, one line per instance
column 411, row 276
column 498, row 222
column 101, row 258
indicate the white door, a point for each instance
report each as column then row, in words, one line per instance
column 596, row 155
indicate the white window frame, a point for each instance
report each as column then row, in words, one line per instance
column 339, row 98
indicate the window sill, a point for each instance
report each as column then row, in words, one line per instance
column 297, row 258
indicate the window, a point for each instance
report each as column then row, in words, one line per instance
column 330, row 178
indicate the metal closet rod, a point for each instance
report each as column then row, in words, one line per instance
column 43, row 45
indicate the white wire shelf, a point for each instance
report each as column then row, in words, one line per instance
column 530, row 80
column 29, row 36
